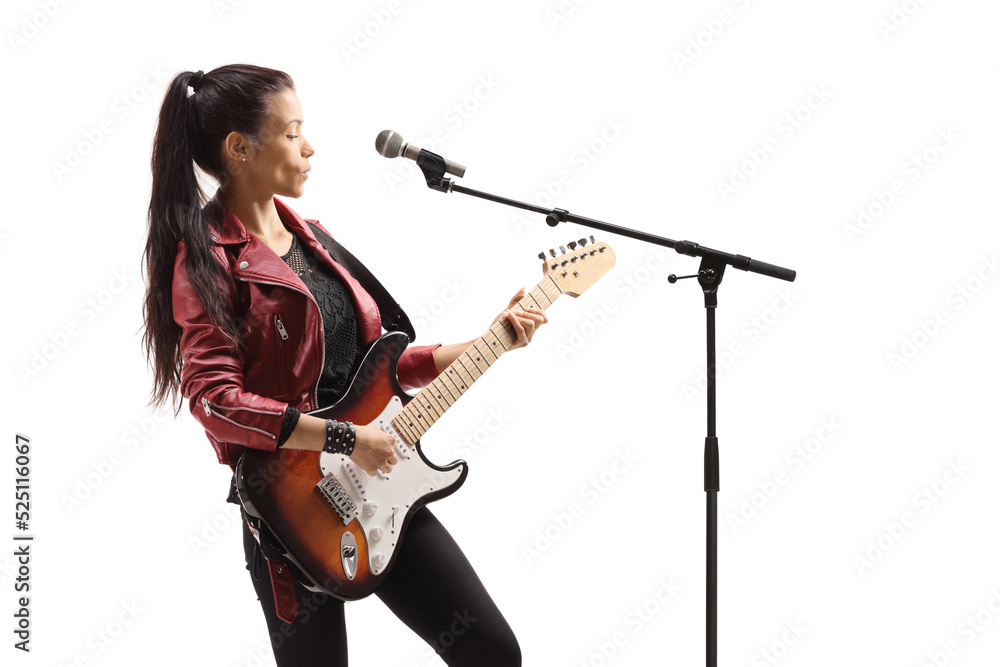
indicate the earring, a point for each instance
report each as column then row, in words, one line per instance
column 244, row 159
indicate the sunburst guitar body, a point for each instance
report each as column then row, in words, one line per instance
column 340, row 528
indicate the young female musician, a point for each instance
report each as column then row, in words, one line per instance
column 248, row 317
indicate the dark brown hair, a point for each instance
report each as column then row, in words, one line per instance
column 191, row 130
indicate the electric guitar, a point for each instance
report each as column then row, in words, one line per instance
column 340, row 528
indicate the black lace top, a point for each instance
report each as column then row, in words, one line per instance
column 340, row 328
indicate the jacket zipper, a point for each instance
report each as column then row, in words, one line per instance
column 208, row 405
column 281, row 352
column 322, row 343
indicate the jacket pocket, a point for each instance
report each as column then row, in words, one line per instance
column 281, row 359
column 266, row 355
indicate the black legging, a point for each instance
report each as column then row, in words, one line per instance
column 431, row 587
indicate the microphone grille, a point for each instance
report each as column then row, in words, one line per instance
column 389, row 144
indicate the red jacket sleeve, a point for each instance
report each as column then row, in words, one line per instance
column 212, row 375
column 416, row 366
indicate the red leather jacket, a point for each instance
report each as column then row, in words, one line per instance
column 241, row 398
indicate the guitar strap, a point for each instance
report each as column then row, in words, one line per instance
column 393, row 317
column 279, row 569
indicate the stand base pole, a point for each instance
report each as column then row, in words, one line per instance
column 711, row 588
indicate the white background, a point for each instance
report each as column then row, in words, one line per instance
column 133, row 539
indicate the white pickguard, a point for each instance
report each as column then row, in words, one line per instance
column 411, row 478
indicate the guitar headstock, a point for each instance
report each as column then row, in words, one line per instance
column 575, row 271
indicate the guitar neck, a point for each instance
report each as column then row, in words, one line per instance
column 431, row 402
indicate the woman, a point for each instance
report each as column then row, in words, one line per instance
column 228, row 280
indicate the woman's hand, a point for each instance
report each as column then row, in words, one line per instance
column 374, row 450
column 525, row 323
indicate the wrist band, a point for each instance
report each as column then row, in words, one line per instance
column 340, row 437
column 349, row 439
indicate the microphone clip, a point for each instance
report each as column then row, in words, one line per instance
column 434, row 168
column 439, row 184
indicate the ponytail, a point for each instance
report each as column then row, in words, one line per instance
column 191, row 131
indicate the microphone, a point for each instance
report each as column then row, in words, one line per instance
column 390, row 144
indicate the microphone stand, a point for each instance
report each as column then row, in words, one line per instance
column 710, row 272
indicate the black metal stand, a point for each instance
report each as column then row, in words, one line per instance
column 710, row 272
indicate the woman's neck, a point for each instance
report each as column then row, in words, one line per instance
column 258, row 214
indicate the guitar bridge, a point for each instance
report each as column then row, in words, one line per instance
column 338, row 498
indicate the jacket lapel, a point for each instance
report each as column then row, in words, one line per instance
column 369, row 321
column 256, row 260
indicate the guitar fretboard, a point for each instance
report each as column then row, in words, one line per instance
column 431, row 402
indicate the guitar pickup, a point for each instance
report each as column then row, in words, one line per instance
column 357, row 477
column 402, row 448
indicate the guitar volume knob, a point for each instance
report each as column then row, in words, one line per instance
column 370, row 508
column 376, row 533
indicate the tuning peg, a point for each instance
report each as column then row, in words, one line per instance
column 582, row 242
column 562, row 249
column 572, row 245
column 592, row 239
column 541, row 255
column 552, row 251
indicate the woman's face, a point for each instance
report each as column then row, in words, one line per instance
column 280, row 165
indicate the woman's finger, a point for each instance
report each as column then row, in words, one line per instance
column 518, row 327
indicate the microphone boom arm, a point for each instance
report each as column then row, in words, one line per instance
column 433, row 167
